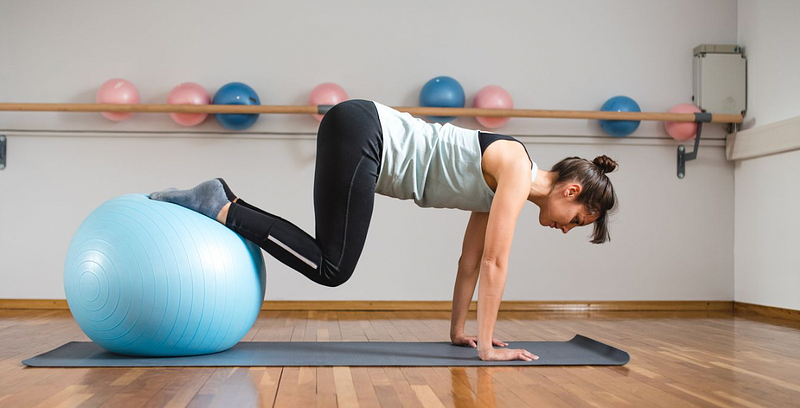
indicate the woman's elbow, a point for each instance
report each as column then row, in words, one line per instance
column 494, row 262
column 469, row 266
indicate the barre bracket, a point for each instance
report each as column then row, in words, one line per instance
column 683, row 157
column 2, row 152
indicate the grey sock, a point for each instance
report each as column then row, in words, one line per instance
column 207, row 198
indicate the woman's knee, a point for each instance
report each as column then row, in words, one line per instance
column 334, row 278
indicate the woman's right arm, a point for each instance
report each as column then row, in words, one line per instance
column 513, row 187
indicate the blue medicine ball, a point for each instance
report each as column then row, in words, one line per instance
column 620, row 128
column 150, row 278
column 236, row 93
column 442, row 92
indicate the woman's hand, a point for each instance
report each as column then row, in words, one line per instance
column 472, row 341
column 505, row 354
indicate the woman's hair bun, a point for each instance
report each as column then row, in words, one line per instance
column 605, row 163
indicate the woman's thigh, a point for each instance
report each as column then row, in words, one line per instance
column 349, row 147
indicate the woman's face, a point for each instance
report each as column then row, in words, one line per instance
column 562, row 210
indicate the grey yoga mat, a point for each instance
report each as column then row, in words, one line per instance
column 578, row 351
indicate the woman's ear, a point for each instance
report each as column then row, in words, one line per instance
column 573, row 190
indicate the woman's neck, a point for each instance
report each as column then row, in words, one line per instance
column 542, row 186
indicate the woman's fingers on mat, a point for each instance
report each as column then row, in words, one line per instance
column 499, row 343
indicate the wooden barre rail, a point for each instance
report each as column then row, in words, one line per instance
column 417, row 111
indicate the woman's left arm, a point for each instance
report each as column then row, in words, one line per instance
column 513, row 188
column 467, row 275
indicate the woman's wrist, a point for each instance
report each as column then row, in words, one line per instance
column 484, row 351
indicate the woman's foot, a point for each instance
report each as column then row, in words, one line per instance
column 228, row 192
column 210, row 198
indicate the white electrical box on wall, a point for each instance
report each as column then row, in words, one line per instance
column 720, row 79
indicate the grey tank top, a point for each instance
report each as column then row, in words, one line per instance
column 435, row 165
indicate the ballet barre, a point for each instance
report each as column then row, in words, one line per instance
column 413, row 110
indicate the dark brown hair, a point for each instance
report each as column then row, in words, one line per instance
column 597, row 194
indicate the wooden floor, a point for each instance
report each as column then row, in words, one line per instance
column 678, row 359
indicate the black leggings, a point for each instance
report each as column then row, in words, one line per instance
column 349, row 147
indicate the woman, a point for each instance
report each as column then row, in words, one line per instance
column 364, row 148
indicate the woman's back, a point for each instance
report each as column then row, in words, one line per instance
column 435, row 165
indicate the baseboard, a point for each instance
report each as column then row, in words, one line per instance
column 45, row 304
column 744, row 308
column 381, row 305
column 507, row 306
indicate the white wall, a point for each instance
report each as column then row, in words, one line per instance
column 671, row 240
column 767, row 260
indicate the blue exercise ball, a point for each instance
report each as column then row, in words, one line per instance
column 620, row 128
column 442, row 92
column 236, row 93
column 151, row 278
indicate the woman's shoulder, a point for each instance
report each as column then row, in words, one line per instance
column 504, row 153
column 502, row 156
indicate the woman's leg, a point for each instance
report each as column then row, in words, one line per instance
column 349, row 147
